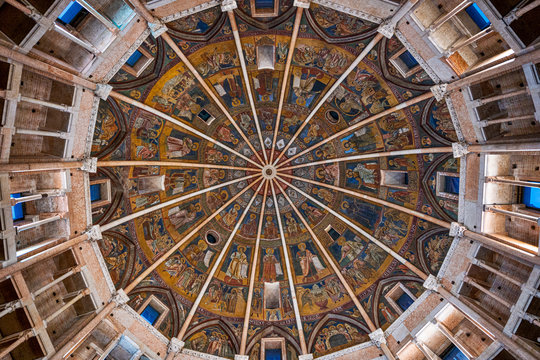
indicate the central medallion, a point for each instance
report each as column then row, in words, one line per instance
column 269, row 172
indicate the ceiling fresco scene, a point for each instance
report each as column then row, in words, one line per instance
column 280, row 210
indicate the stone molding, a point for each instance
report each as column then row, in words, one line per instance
column 412, row 50
column 201, row 355
column 305, row 357
column 454, row 117
column 349, row 11
column 340, row 353
column 241, row 357
column 127, row 55
column 190, row 11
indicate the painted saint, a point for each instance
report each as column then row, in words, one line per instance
column 238, row 267
column 271, row 266
column 309, row 263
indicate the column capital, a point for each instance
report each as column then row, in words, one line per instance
column 89, row 165
column 102, row 91
column 94, row 233
column 228, row 5
column 157, row 29
column 432, row 283
column 459, row 149
column 176, row 345
column 439, row 91
column 387, row 28
column 302, row 3
column 120, row 298
column 456, row 229
column 241, row 357
column 377, row 337
column 305, row 357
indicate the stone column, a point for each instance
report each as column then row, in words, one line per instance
column 512, row 344
column 119, row 299
column 46, row 69
column 93, row 233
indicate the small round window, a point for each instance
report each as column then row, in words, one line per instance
column 332, row 116
column 212, row 238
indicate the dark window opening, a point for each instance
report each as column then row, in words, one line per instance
column 204, row 115
column 404, row 301
column 211, row 239
column 17, row 211
column 408, row 59
column 451, row 185
column 453, row 353
column 150, row 314
column 134, row 58
column 272, row 354
column 479, row 18
column 95, row 192
column 333, row 233
column 264, row 4
column 73, row 14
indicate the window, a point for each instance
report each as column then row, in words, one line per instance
column 479, row 18
column 272, row 354
column 447, row 185
column 400, row 298
column 408, row 59
column 453, row 353
column 124, row 349
column 264, row 8
column 273, row 349
column 150, row 314
column 138, row 62
column 272, row 298
column 100, row 192
column 149, row 184
column 451, row 184
column 332, row 232
column 153, row 311
column 17, row 211
column 206, row 116
column 405, row 63
column 73, row 14
column 95, row 192
column 394, row 178
column 134, row 58
column 531, row 197
column 404, row 301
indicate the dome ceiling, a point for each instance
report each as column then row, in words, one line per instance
column 328, row 42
